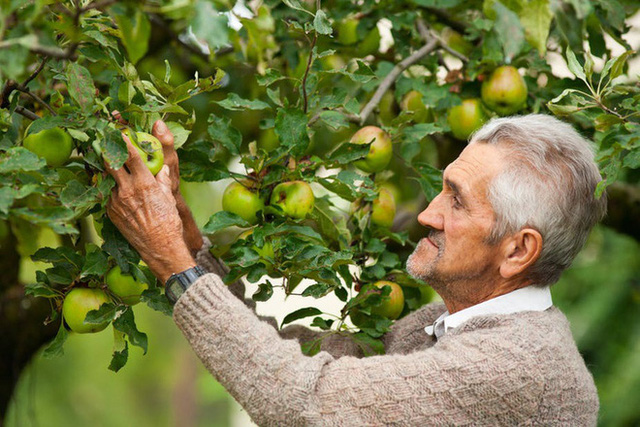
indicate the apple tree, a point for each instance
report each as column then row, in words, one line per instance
column 332, row 121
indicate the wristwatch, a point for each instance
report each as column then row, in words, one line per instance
column 178, row 283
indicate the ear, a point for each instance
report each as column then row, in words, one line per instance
column 520, row 252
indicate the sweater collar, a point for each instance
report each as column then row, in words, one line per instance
column 530, row 298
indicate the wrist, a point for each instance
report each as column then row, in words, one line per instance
column 175, row 262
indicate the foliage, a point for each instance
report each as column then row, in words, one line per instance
column 277, row 89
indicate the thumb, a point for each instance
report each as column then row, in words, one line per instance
column 163, row 178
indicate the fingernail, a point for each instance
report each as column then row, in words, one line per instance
column 161, row 128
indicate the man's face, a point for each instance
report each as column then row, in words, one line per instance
column 455, row 257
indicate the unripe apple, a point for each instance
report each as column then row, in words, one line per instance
column 268, row 140
column 295, row 198
column 388, row 108
column 79, row 302
column 384, row 209
column 390, row 308
column 505, row 91
column 242, row 201
column 125, row 286
column 466, row 118
column 153, row 159
column 370, row 44
column 380, row 151
column 455, row 41
column 412, row 101
column 54, row 145
column 265, row 251
column 347, row 31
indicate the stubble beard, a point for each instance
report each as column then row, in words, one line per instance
column 426, row 270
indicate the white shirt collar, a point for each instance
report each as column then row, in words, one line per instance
column 529, row 298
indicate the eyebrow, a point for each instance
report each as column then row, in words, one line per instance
column 454, row 187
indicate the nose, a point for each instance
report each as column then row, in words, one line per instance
column 432, row 216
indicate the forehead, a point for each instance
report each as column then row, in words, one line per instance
column 476, row 166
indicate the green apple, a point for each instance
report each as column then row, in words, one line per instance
column 125, row 286
column 388, row 108
column 412, row 102
column 348, row 31
column 77, row 303
column 370, row 44
column 54, row 145
column 242, row 201
column 455, row 41
column 265, row 251
column 392, row 306
column 380, row 151
column 505, row 91
column 384, row 209
column 154, row 159
column 466, row 118
column 268, row 140
column 295, row 198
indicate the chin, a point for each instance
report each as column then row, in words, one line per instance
column 419, row 265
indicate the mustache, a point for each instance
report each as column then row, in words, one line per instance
column 436, row 236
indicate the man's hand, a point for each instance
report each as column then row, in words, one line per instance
column 144, row 210
column 192, row 235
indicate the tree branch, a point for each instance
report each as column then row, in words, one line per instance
column 427, row 34
column 306, row 74
column 27, row 113
column 391, row 78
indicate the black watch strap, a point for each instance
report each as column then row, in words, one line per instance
column 178, row 283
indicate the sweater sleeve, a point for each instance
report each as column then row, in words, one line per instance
column 336, row 345
column 461, row 381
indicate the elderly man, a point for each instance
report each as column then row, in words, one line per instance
column 515, row 209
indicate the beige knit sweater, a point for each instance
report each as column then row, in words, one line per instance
column 519, row 369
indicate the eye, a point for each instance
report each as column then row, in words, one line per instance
column 456, row 202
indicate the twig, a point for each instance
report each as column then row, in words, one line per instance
column 26, row 113
column 96, row 5
column 36, row 98
column 391, row 77
column 36, row 72
column 306, row 74
column 427, row 33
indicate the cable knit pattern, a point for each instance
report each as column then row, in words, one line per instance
column 519, row 369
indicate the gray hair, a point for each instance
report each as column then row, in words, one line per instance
column 548, row 185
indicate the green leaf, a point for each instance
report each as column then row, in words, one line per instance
column 575, row 67
column 234, row 103
column 136, row 30
column 78, row 196
column 317, row 291
column 105, row 313
column 19, row 159
column 157, row 301
column 81, row 87
column 536, row 20
column 223, row 219
column 209, row 25
column 54, row 348
column 116, row 245
column 321, row 23
column 295, row 4
column 95, row 263
column 270, row 76
column 180, row 134
column 6, row 199
column 264, row 292
column 370, row 346
column 311, row 348
column 220, row 130
column 300, row 314
column 618, row 65
column 195, row 87
column 347, row 153
column 113, row 148
column 291, row 128
column 509, row 31
column 430, row 179
column 334, row 119
column 40, row 290
column 119, row 358
column 126, row 323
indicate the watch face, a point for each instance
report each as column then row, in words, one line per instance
column 174, row 290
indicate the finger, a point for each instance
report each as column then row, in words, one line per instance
column 116, row 115
column 120, row 175
column 164, row 135
column 135, row 163
column 163, row 178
